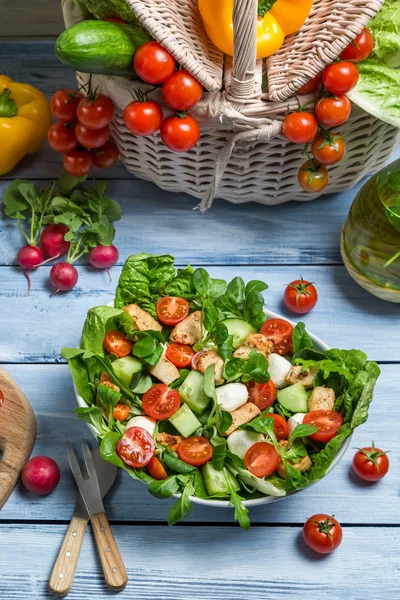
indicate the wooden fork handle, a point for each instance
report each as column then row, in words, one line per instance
column 63, row 573
column 113, row 566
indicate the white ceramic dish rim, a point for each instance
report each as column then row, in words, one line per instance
column 320, row 345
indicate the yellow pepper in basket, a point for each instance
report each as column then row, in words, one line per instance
column 25, row 118
column 276, row 20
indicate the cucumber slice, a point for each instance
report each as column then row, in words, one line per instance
column 262, row 485
column 193, row 394
column 185, row 421
column 239, row 330
column 125, row 368
column 216, row 482
column 293, row 398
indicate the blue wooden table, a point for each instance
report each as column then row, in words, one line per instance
column 207, row 557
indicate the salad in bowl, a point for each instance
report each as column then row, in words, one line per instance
column 192, row 387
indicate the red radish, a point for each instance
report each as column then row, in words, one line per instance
column 63, row 276
column 29, row 257
column 53, row 242
column 41, row 475
column 103, row 257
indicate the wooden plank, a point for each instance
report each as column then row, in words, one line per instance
column 50, row 392
column 30, row 19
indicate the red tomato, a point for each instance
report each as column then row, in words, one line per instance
column 300, row 127
column 360, row 48
column 333, row 112
column 153, row 63
column 95, row 113
column 300, row 296
column 61, row 137
column 117, row 343
column 327, row 421
column 339, row 78
column 143, row 118
column 171, row 310
column 91, row 138
column 180, row 134
column 281, row 429
column 371, row 464
column 116, row 20
column 195, row 450
column 195, row 360
column 280, row 332
column 310, row 86
column 78, row 162
column 262, row 394
column 313, row 177
column 181, row 91
column 105, row 156
column 121, row 412
column 1, row 398
column 136, row 447
column 156, row 470
column 328, row 149
column 180, row 355
column 160, row 403
column 64, row 104
column 261, row 459
column 322, row 533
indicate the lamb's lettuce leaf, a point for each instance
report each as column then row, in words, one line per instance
column 301, row 339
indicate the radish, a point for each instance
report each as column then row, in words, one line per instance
column 53, row 242
column 63, row 277
column 41, row 475
column 103, row 257
column 29, row 257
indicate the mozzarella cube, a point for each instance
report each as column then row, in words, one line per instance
column 232, row 396
column 144, row 422
column 278, row 368
column 295, row 420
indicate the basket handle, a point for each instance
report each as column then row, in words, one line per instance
column 245, row 49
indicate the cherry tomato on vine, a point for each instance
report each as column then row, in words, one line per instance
column 333, row 111
column 136, row 447
column 280, row 332
column 153, row 63
column 328, row 149
column 322, row 533
column 105, row 156
column 61, row 137
column 339, row 78
column 116, row 20
column 310, row 86
column 360, row 48
column 116, row 342
column 327, row 422
column 371, row 464
column 262, row 394
column 78, row 162
column 195, row 450
column 180, row 134
column 261, row 459
column 313, row 177
column 300, row 127
column 91, row 138
column 180, row 355
column 143, row 118
column 300, row 296
column 64, row 104
column 181, row 91
column 281, row 429
column 156, row 470
column 171, row 310
column 160, row 403
column 95, row 112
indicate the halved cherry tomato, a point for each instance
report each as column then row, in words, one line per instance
column 136, row 447
column 371, row 464
column 322, row 533
column 117, row 343
column 171, row 310
column 360, row 48
column 280, row 332
column 160, row 403
column 261, row 459
column 310, row 86
column 339, row 78
column 195, row 450
column 327, row 421
column 156, row 470
column 262, row 394
column 195, row 360
column 121, row 412
column 180, row 355
column 281, row 429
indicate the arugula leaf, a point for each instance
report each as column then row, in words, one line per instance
column 221, row 418
column 183, row 506
column 241, row 513
column 301, row 339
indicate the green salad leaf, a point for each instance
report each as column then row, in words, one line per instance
column 99, row 320
column 301, row 339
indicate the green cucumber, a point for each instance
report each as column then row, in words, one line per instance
column 193, row 394
column 185, row 421
column 239, row 330
column 101, row 47
column 216, row 482
column 125, row 368
column 293, row 398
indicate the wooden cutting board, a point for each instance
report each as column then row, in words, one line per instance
column 17, row 434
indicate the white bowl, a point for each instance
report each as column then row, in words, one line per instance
column 319, row 345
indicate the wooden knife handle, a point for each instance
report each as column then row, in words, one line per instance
column 113, row 566
column 63, row 573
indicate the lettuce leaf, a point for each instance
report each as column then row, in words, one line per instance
column 385, row 27
column 99, row 320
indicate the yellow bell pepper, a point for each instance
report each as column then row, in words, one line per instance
column 276, row 20
column 25, row 118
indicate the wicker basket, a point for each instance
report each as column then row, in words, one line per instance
column 241, row 155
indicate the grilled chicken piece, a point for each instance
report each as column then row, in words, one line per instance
column 172, row 441
column 322, row 398
column 254, row 341
column 211, row 357
column 297, row 375
column 105, row 379
column 242, row 415
column 187, row 331
column 142, row 320
column 303, row 465
column 165, row 371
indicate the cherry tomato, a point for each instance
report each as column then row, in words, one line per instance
column 313, row 177
column 360, row 48
column 328, row 149
column 121, row 412
column 262, row 394
column 116, row 20
column 180, row 134
column 333, row 112
column 327, row 421
column 171, row 310
column 95, row 113
column 143, row 118
column 339, row 78
column 181, row 91
column 300, row 127
column 371, row 464
column 160, row 403
column 136, row 447
column 105, row 156
column 180, row 355
column 280, row 332
column 117, row 343
column 91, row 138
column 156, row 470
column 300, row 296
column 195, row 359
column 153, row 63
column 61, row 137
column 195, row 450
column 261, row 459
column 322, row 533
column 310, row 86
column 78, row 162
column 281, row 429
column 64, row 104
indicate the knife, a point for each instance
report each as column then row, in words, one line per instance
column 62, row 575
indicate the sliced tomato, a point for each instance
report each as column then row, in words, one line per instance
column 156, row 470
column 117, row 343
column 262, row 394
column 261, row 459
column 195, row 450
column 171, row 310
column 180, row 355
column 121, row 412
column 327, row 422
column 136, row 447
column 281, row 429
column 195, row 360
column 280, row 332
column 160, row 403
